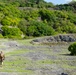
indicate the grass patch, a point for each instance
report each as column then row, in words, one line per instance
column 20, row 61
column 25, row 42
column 45, row 62
column 68, row 66
column 16, row 64
column 15, row 52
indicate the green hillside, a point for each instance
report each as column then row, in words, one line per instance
column 33, row 18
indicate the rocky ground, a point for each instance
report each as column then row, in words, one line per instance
column 56, row 39
column 24, row 58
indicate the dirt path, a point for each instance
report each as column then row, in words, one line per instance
column 28, row 59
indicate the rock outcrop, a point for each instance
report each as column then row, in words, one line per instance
column 56, row 39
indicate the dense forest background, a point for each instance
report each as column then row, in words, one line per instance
column 34, row 18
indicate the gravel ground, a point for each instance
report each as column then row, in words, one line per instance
column 45, row 60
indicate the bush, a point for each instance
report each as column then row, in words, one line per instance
column 72, row 48
column 10, row 21
column 14, row 37
column 11, row 32
column 23, row 25
column 1, row 36
column 39, row 29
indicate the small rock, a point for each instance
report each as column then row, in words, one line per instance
column 64, row 74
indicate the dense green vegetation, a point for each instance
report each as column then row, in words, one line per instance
column 36, row 18
column 72, row 48
column 11, row 32
column 68, row 7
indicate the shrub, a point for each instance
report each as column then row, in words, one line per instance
column 23, row 25
column 72, row 48
column 11, row 32
column 1, row 36
column 39, row 29
column 14, row 37
column 10, row 21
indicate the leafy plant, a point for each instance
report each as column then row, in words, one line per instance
column 10, row 21
column 72, row 48
column 11, row 32
column 39, row 29
column 1, row 36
